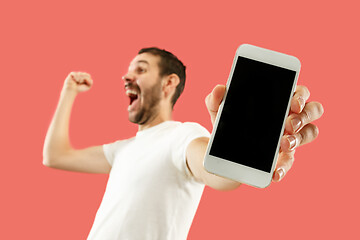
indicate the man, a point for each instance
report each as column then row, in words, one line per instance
column 157, row 177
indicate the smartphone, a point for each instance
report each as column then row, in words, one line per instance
column 245, row 140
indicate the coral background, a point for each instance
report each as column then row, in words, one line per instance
column 42, row 41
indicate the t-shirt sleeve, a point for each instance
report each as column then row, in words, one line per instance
column 111, row 149
column 186, row 133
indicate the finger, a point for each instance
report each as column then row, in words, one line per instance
column 311, row 112
column 72, row 76
column 77, row 77
column 82, row 78
column 301, row 95
column 84, row 75
column 213, row 100
column 283, row 165
column 86, row 79
column 306, row 135
column 288, row 143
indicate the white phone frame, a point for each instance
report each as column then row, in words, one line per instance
column 235, row 171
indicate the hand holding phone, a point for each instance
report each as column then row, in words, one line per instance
column 258, row 78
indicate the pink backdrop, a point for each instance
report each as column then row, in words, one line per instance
column 42, row 41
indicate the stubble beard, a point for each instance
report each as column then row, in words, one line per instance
column 150, row 106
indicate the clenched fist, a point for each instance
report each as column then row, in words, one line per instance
column 78, row 82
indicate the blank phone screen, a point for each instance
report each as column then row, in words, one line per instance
column 253, row 114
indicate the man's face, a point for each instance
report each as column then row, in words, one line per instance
column 143, row 87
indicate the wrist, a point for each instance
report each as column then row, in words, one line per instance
column 68, row 91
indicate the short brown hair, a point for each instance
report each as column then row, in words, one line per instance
column 169, row 64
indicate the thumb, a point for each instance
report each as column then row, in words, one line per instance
column 214, row 99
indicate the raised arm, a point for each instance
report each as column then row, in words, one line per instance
column 58, row 152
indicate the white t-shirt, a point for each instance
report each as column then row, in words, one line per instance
column 150, row 193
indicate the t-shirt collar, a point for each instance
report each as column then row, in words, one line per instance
column 154, row 128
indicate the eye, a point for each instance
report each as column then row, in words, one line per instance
column 140, row 70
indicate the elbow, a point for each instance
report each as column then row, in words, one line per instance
column 46, row 156
column 230, row 186
column 54, row 158
column 223, row 184
column 48, row 160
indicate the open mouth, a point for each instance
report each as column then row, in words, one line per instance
column 133, row 97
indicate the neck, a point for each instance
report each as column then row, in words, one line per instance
column 157, row 119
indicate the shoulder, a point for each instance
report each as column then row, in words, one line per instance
column 181, row 137
column 115, row 146
column 118, row 143
column 192, row 128
column 188, row 131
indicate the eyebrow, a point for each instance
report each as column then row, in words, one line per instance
column 143, row 61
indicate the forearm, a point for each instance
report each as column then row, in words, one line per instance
column 57, row 140
column 195, row 158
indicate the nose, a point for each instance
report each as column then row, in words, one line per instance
column 128, row 77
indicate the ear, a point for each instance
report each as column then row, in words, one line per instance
column 169, row 84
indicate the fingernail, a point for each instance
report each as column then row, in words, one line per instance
column 292, row 142
column 295, row 123
column 281, row 173
column 301, row 102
